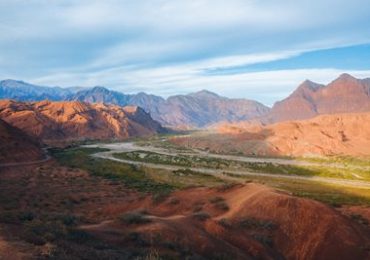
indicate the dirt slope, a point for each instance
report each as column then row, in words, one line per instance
column 66, row 121
column 243, row 222
column 16, row 146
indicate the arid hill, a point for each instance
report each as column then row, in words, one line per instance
column 346, row 94
column 16, row 146
column 243, row 222
column 68, row 121
column 105, row 219
column 338, row 134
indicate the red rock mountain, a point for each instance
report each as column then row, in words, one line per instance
column 346, row 94
column 69, row 121
column 16, row 146
column 337, row 134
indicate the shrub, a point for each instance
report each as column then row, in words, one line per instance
column 14, row 216
column 226, row 187
column 9, row 217
column 360, row 219
column 222, row 206
column 225, row 223
column 158, row 197
column 216, row 199
column 252, row 223
column 26, row 216
column 39, row 232
column 197, row 208
column 263, row 239
column 135, row 217
column 202, row 216
column 173, row 201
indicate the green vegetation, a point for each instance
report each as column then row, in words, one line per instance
column 262, row 167
column 343, row 160
column 160, row 182
column 335, row 195
column 179, row 160
column 130, row 175
column 155, row 181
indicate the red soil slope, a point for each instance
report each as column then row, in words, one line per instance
column 16, row 146
column 254, row 222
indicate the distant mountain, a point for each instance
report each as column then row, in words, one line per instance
column 22, row 91
column 194, row 110
column 205, row 108
column 100, row 95
column 16, row 146
column 69, row 121
column 346, row 94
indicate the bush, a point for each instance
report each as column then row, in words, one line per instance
column 8, row 217
column 135, row 217
column 202, row 216
column 263, row 239
column 216, row 199
column 173, row 201
column 360, row 219
column 222, row 206
column 39, row 232
column 225, row 223
column 16, row 217
column 252, row 223
column 219, row 203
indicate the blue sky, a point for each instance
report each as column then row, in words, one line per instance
column 257, row 49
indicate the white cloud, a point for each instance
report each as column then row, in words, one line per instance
column 162, row 46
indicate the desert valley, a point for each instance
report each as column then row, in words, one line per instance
column 195, row 130
column 98, row 174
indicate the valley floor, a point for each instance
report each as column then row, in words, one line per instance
column 152, row 200
column 129, row 147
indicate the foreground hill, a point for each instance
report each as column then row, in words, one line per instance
column 16, row 146
column 69, row 121
column 338, row 134
column 346, row 94
column 78, row 215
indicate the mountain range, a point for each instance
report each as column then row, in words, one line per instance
column 182, row 111
column 345, row 94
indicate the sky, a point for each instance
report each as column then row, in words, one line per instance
column 255, row 49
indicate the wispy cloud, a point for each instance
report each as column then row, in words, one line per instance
column 169, row 46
